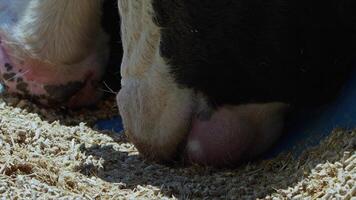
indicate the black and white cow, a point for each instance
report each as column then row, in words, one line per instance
column 212, row 80
column 207, row 81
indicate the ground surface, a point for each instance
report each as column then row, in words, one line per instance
column 50, row 154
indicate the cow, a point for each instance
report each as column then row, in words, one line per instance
column 53, row 51
column 206, row 82
column 212, row 82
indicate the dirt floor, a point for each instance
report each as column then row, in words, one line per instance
column 54, row 154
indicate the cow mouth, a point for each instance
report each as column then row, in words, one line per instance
column 44, row 83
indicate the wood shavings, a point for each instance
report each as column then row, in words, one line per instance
column 52, row 154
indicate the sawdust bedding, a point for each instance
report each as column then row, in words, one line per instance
column 56, row 154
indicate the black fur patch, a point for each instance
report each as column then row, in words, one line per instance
column 9, row 76
column 8, row 67
column 243, row 51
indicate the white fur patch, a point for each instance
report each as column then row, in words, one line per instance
column 56, row 31
column 155, row 112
